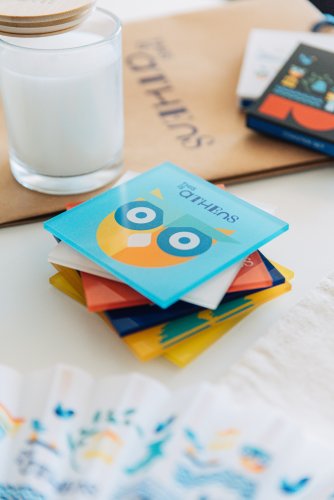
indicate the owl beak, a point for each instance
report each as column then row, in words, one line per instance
column 141, row 240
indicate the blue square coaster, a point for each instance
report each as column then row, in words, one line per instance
column 166, row 231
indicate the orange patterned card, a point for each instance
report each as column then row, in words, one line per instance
column 102, row 294
column 253, row 275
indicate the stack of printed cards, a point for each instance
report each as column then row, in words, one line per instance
column 170, row 261
column 65, row 436
column 298, row 105
column 266, row 52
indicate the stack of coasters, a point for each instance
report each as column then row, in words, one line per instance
column 298, row 105
column 41, row 17
column 169, row 260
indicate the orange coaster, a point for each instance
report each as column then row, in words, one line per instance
column 253, row 275
column 103, row 294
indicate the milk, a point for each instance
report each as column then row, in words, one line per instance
column 64, row 109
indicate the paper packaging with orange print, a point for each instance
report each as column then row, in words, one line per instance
column 298, row 105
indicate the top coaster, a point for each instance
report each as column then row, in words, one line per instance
column 165, row 232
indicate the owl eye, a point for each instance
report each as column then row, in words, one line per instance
column 183, row 241
column 139, row 215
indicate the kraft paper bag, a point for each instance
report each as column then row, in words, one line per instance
column 180, row 77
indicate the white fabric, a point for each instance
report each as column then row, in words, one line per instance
column 292, row 368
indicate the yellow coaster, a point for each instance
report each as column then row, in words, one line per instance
column 68, row 281
column 72, row 290
column 287, row 273
column 183, row 354
column 152, row 342
column 61, row 283
column 72, row 277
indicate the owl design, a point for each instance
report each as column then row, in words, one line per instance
column 137, row 234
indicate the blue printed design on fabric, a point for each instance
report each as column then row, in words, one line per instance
column 291, row 488
column 9, row 492
column 154, row 449
column 233, row 481
column 145, row 490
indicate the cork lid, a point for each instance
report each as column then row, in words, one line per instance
column 42, row 17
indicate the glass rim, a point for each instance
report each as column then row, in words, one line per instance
column 107, row 39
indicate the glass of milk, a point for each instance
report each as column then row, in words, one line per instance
column 63, row 103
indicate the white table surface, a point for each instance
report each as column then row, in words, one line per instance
column 40, row 327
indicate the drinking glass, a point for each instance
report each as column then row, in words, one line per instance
column 63, row 103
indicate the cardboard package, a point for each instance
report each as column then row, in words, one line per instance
column 180, row 76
